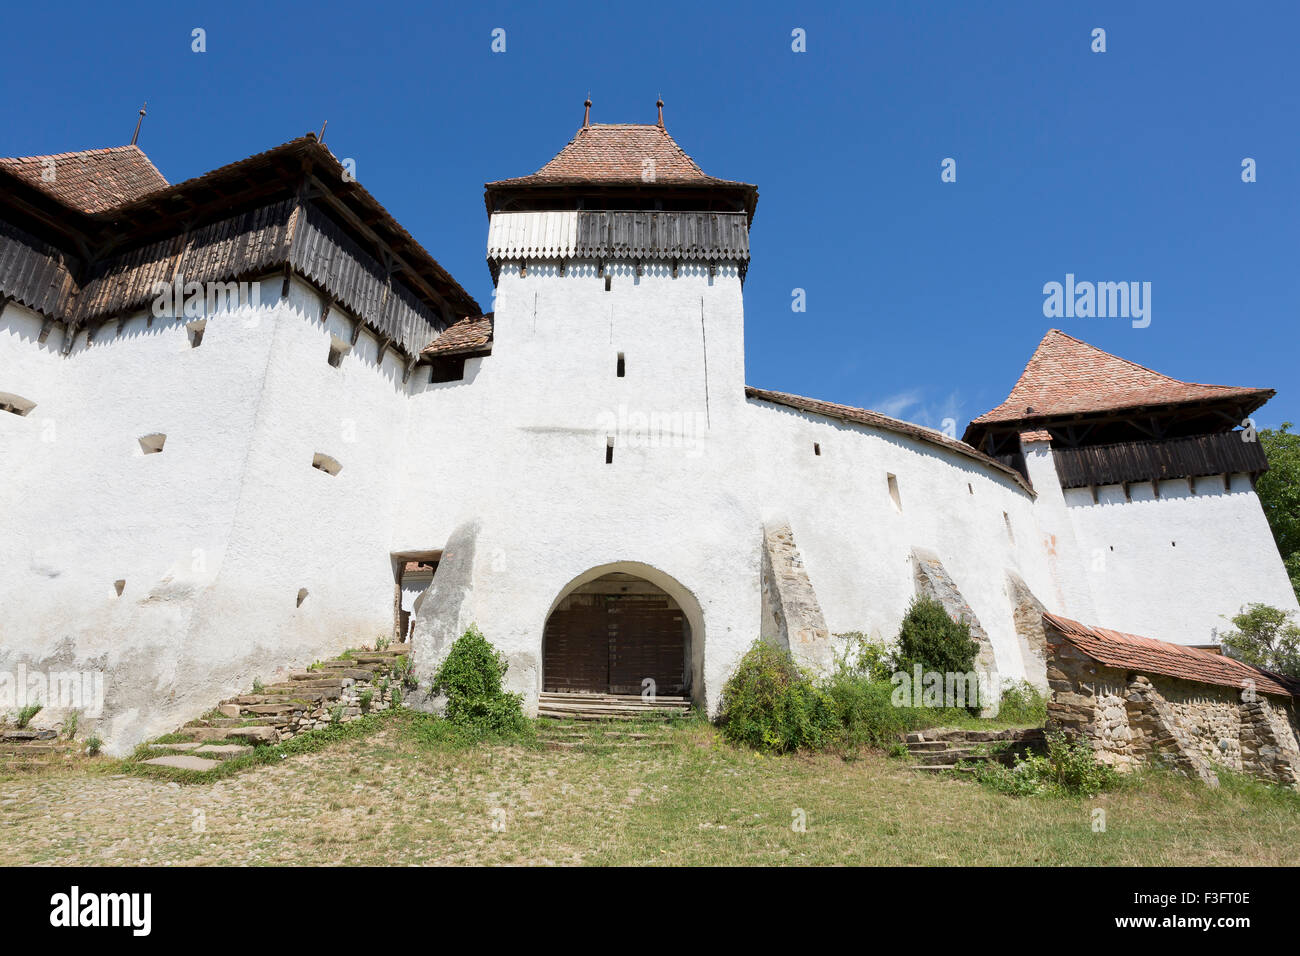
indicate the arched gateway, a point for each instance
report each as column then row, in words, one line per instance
column 609, row 633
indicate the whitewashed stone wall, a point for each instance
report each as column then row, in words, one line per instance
column 505, row 472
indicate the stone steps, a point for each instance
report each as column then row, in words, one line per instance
column 942, row 749
column 305, row 700
column 605, row 733
column 31, row 749
column 594, row 707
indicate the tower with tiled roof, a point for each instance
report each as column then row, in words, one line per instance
column 1114, row 421
column 622, row 254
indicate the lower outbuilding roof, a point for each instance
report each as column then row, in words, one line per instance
column 1129, row 652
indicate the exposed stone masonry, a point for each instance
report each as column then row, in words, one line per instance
column 1132, row 719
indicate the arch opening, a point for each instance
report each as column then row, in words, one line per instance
column 618, row 632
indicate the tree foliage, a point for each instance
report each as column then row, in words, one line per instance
column 1265, row 637
column 1279, row 493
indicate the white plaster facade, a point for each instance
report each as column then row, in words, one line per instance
column 505, row 473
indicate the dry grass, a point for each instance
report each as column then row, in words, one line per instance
column 404, row 796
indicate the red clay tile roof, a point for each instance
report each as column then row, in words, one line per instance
column 862, row 416
column 612, row 153
column 466, row 336
column 92, row 180
column 1128, row 652
column 1066, row 376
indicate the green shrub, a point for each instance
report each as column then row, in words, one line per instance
column 471, row 677
column 865, row 710
column 26, row 714
column 69, row 728
column 1069, row 768
column 1021, row 703
column 929, row 637
column 403, row 672
column 769, row 704
column 864, row 656
column 93, row 745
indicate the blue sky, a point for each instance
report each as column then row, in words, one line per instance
column 924, row 298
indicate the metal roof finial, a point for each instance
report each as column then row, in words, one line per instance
column 586, row 113
column 136, row 135
column 660, row 104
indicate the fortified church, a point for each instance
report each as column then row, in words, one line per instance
column 253, row 477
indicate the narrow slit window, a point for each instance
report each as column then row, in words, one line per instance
column 326, row 464
column 893, row 492
column 302, row 596
column 195, row 332
column 621, row 370
column 609, row 451
column 152, row 444
column 119, row 586
column 607, row 282
column 1011, row 535
column 15, row 404
column 817, row 448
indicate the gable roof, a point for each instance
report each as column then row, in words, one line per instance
column 1129, row 652
column 863, row 416
column 468, row 336
column 1066, row 376
column 91, row 180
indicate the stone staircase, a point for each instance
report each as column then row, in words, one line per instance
column 937, row 750
column 30, row 749
column 611, row 707
column 607, row 733
column 338, row 690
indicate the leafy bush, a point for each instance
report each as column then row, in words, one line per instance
column 26, row 714
column 770, row 704
column 471, row 678
column 865, row 710
column 929, row 637
column 93, row 745
column 1021, row 703
column 402, row 671
column 865, row 657
column 1069, row 768
column 1265, row 637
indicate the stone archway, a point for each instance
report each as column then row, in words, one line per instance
column 616, row 627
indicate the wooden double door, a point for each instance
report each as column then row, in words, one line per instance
column 609, row 643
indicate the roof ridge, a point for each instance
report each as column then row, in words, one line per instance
column 76, row 152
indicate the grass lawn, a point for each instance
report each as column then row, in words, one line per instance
column 411, row 793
